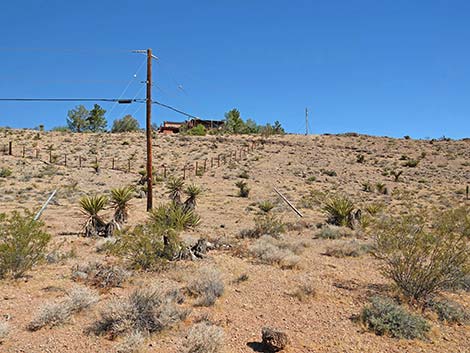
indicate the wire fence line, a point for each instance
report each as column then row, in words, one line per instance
column 195, row 167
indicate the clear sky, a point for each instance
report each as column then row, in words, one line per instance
column 381, row 67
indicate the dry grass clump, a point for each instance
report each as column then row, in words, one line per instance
column 304, row 290
column 4, row 330
column 265, row 224
column 53, row 314
column 207, row 285
column 334, row 232
column 276, row 251
column 351, row 248
column 146, row 310
column 100, row 275
column 204, row 338
column 132, row 343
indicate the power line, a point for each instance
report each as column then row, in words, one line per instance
column 175, row 110
column 118, row 100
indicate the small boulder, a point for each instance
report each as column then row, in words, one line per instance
column 273, row 339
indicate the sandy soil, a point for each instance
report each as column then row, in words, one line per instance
column 343, row 285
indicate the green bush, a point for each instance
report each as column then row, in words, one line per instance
column 23, row 243
column 5, row 172
column 422, row 260
column 340, row 211
column 126, row 124
column 198, row 130
column 265, row 224
column 384, row 317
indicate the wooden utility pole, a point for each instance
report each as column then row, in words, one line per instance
column 149, row 130
column 306, row 121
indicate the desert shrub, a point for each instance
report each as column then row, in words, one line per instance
column 269, row 250
column 5, row 172
column 360, row 158
column 4, row 330
column 312, row 199
column 304, row 290
column 265, row 224
column 449, row 311
column 411, row 163
column 120, row 198
column 126, row 124
column 330, row 173
column 132, row 343
column 348, row 249
column 244, row 175
column 53, row 314
column 340, row 211
column 244, row 190
column 99, row 275
column 198, row 130
column 145, row 311
column 173, row 216
column 207, row 285
column 384, row 317
column 147, row 248
column 266, row 206
column 334, row 232
column 422, row 261
column 23, row 243
column 204, row 338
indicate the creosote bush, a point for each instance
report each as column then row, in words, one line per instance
column 423, row 260
column 53, row 314
column 145, row 311
column 23, row 243
column 207, row 285
column 204, row 338
column 449, row 311
column 384, row 317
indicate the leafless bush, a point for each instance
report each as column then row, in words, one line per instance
column 334, row 232
column 132, row 343
column 79, row 299
column 99, row 275
column 351, row 248
column 304, row 290
column 207, row 285
column 204, row 338
column 4, row 330
column 146, row 310
column 276, row 251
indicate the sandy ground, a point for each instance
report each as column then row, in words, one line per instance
column 343, row 285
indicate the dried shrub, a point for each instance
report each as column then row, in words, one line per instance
column 243, row 189
column 204, row 338
column 53, row 314
column 265, row 224
column 4, row 330
column 304, row 290
column 334, row 232
column 132, row 343
column 420, row 260
column 384, row 317
column 99, row 275
column 145, row 311
column 269, row 250
column 23, row 243
column 351, row 248
column 207, row 285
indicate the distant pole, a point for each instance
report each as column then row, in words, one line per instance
column 149, row 130
column 306, row 121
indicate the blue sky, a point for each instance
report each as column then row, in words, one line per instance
column 381, row 67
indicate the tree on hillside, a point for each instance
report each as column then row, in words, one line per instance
column 127, row 123
column 96, row 120
column 77, row 119
column 251, row 127
column 233, row 122
column 278, row 129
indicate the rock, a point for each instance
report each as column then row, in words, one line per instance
column 273, row 339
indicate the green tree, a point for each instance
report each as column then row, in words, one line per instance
column 77, row 119
column 278, row 129
column 233, row 122
column 127, row 123
column 96, row 120
column 251, row 127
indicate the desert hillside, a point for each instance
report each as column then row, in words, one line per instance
column 300, row 282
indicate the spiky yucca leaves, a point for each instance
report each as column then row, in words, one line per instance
column 193, row 191
column 340, row 211
column 120, row 198
column 175, row 189
column 173, row 216
column 92, row 205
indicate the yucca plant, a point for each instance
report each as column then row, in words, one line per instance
column 193, row 191
column 244, row 189
column 91, row 206
column 266, row 206
column 120, row 198
column 175, row 189
column 174, row 217
column 340, row 211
